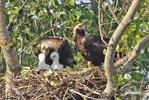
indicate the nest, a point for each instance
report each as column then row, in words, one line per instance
column 58, row 85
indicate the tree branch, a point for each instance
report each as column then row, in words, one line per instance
column 99, row 22
column 31, row 43
column 121, row 61
column 128, row 65
column 113, row 14
column 128, row 60
column 1, row 61
column 109, row 57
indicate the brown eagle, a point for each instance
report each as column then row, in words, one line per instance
column 90, row 46
column 59, row 45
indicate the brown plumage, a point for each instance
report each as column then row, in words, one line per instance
column 90, row 46
column 59, row 45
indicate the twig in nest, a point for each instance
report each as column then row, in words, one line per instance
column 83, row 96
column 43, row 95
column 65, row 93
column 22, row 97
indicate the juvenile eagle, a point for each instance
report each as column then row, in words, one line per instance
column 90, row 46
column 42, row 66
column 55, row 64
column 59, row 45
column 42, row 62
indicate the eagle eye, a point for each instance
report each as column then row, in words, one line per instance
column 54, row 56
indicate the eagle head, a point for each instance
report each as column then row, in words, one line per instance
column 79, row 30
column 54, row 55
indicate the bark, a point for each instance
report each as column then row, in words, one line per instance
column 109, row 57
column 1, row 63
column 9, row 51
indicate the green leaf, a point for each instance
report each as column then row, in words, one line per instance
column 11, row 17
column 55, row 3
column 57, row 14
column 68, row 68
column 104, row 51
column 115, row 80
column 148, row 49
column 118, row 98
column 137, row 76
column 147, row 67
column 14, row 11
column 90, row 14
column 26, row 71
column 77, row 13
column 71, row 2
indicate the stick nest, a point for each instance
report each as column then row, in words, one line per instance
column 59, row 85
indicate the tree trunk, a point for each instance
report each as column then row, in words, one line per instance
column 9, row 51
column 110, row 73
column 0, row 62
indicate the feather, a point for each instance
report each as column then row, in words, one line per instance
column 59, row 45
column 90, row 46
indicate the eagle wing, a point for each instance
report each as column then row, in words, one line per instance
column 51, row 42
column 66, row 52
column 81, row 48
column 94, row 48
column 57, row 44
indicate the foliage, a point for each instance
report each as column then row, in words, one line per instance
column 38, row 16
column 28, row 20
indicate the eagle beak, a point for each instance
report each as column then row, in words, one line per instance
column 82, row 26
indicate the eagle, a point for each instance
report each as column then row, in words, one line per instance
column 42, row 66
column 55, row 64
column 54, row 57
column 90, row 46
column 59, row 45
column 42, row 62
